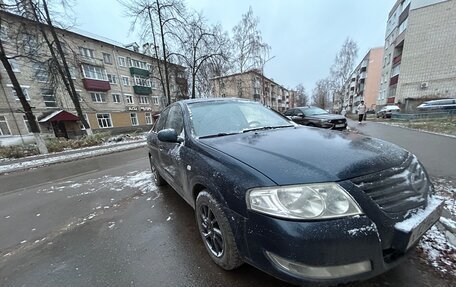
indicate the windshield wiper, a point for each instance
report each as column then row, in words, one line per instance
column 217, row 135
column 266, row 128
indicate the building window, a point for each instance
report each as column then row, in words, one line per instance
column 144, row 100
column 14, row 65
column 98, row 97
column 49, row 100
column 155, row 101
column 96, row 73
column 153, row 84
column 86, row 52
column 121, row 61
column 112, row 79
column 4, row 128
column 26, row 94
column 134, row 119
column 107, row 59
column 4, row 33
column 129, row 99
column 148, row 118
column 116, row 98
column 126, row 81
column 137, row 64
column 41, row 74
column 104, row 121
column 72, row 72
column 26, row 122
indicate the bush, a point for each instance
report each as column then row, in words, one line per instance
column 18, row 151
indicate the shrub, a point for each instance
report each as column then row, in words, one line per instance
column 18, row 151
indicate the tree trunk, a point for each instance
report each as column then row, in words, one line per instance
column 162, row 80
column 165, row 60
column 25, row 105
column 66, row 71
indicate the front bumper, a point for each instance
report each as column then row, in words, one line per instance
column 337, row 251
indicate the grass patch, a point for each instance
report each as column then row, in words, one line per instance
column 443, row 126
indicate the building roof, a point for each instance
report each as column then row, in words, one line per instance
column 60, row 115
column 253, row 71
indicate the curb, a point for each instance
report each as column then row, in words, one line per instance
column 70, row 156
column 417, row 130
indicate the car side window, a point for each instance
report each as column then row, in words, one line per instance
column 289, row 112
column 161, row 121
column 175, row 119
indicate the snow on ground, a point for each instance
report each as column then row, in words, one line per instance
column 32, row 163
column 436, row 247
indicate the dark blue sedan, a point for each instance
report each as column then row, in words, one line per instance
column 300, row 203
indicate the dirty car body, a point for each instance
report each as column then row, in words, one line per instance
column 302, row 204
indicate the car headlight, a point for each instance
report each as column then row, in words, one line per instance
column 325, row 121
column 308, row 201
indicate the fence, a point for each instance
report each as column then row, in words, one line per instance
column 450, row 114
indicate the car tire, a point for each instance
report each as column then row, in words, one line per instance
column 157, row 179
column 215, row 232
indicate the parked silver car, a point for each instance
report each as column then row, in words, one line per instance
column 435, row 105
column 387, row 111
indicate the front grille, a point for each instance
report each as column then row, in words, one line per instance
column 399, row 189
column 341, row 121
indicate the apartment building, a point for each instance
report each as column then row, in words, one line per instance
column 420, row 59
column 118, row 84
column 364, row 82
column 253, row 85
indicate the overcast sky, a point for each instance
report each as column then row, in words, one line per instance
column 305, row 35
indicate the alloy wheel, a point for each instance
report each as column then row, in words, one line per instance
column 211, row 231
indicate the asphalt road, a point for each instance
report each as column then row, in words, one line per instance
column 100, row 222
column 436, row 152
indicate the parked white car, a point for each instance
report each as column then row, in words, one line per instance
column 387, row 111
column 444, row 104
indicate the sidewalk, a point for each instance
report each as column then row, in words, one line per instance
column 13, row 165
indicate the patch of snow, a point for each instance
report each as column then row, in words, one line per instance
column 33, row 229
column 23, row 241
column 111, row 224
column 363, row 230
column 7, row 216
column 38, row 214
column 169, row 218
column 67, row 157
column 418, row 216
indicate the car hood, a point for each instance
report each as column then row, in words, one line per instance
column 306, row 155
column 328, row 117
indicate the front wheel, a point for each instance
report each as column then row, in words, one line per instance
column 216, row 232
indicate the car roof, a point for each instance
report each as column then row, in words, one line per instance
column 306, row 107
column 208, row 100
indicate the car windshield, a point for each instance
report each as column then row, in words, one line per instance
column 222, row 118
column 314, row 111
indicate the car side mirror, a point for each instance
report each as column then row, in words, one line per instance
column 169, row 135
column 300, row 115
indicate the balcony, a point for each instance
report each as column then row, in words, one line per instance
column 394, row 80
column 91, row 61
column 139, row 72
column 397, row 59
column 404, row 15
column 96, row 85
column 140, row 90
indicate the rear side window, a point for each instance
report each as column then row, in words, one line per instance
column 289, row 113
column 175, row 119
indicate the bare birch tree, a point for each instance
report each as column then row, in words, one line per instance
column 302, row 97
column 199, row 44
column 249, row 50
column 341, row 68
column 321, row 94
column 159, row 21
